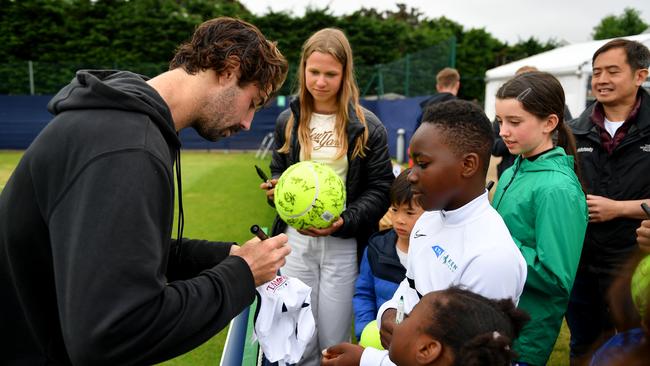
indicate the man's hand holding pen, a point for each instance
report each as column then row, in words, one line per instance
column 264, row 257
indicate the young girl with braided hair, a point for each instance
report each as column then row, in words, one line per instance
column 459, row 327
column 451, row 327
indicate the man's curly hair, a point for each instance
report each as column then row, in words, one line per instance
column 223, row 43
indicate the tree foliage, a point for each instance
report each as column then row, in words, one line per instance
column 60, row 36
column 627, row 24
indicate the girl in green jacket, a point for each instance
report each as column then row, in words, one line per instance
column 541, row 201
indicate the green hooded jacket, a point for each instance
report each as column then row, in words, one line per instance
column 545, row 209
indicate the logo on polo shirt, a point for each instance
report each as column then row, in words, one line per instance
column 444, row 257
column 278, row 282
column 645, row 148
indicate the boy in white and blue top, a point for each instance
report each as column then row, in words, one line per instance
column 468, row 247
column 465, row 242
column 461, row 240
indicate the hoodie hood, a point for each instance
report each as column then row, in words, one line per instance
column 119, row 90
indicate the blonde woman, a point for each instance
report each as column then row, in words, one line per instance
column 327, row 124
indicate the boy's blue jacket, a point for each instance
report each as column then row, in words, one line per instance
column 379, row 276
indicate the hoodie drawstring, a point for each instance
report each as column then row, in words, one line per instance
column 181, row 217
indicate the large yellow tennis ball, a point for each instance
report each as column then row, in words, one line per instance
column 309, row 194
column 640, row 286
column 370, row 336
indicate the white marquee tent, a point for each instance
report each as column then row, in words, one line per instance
column 571, row 65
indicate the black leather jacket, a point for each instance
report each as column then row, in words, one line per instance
column 368, row 178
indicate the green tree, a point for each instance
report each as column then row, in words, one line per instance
column 374, row 40
column 477, row 52
column 410, row 16
column 291, row 32
column 33, row 29
column 627, row 24
column 91, row 35
column 523, row 49
column 400, row 49
column 280, row 27
column 209, row 9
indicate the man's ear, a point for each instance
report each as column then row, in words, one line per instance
column 640, row 76
column 471, row 163
column 231, row 70
column 428, row 351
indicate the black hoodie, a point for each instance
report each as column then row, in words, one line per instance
column 88, row 272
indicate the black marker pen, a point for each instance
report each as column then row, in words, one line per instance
column 646, row 209
column 263, row 175
column 257, row 230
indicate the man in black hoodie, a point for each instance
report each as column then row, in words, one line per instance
column 88, row 272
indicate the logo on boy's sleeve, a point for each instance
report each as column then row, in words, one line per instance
column 438, row 250
column 444, row 258
column 418, row 234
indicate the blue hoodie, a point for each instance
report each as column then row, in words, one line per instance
column 379, row 276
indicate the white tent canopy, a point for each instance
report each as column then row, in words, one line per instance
column 571, row 65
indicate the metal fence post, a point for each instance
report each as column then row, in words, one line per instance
column 400, row 145
column 30, row 67
column 452, row 53
column 407, row 77
column 380, row 82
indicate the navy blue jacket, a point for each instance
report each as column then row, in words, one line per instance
column 379, row 276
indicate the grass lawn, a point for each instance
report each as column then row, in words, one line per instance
column 221, row 199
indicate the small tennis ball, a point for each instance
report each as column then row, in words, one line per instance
column 309, row 194
column 640, row 286
column 370, row 336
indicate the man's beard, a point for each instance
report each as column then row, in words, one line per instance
column 220, row 110
column 210, row 131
